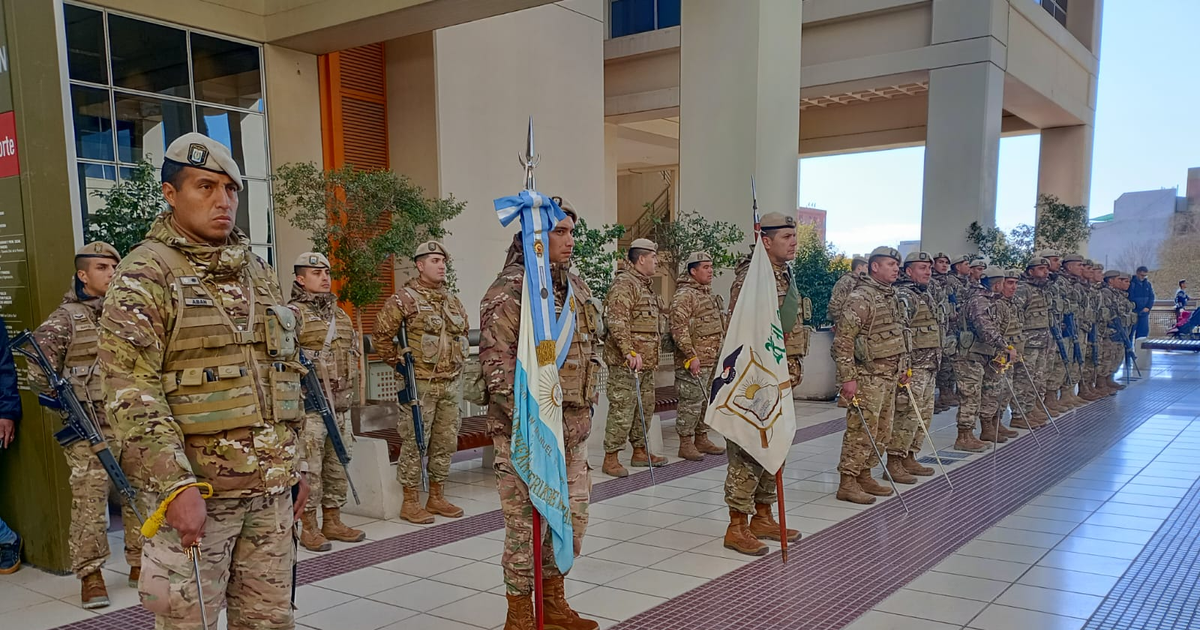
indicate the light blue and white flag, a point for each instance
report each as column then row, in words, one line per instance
column 538, row 451
column 750, row 397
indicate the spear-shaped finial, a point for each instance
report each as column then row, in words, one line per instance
column 754, row 197
column 530, row 159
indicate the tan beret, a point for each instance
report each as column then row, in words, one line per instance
column 942, row 255
column 1112, row 273
column 430, row 247
column 884, row 250
column 918, row 257
column 776, row 220
column 698, row 257
column 979, row 262
column 643, row 243
column 566, row 205
column 315, row 260
column 1037, row 261
column 199, row 151
column 1124, row 276
column 98, row 249
column 858, row 259
column 993, row 271
column 1012, row 273
column 1047, row 253
column 1070, row 258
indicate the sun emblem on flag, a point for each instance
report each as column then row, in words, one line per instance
column 755, row 397
column 550, row 394
column 538, row 248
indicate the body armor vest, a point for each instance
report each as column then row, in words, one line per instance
column 707, row 327
column 1037, row 310
column 335, row 361
column 79, row 365
column 220, row 374
column 978, row 345
column 437, row 335
column 924, row 324
column 579, row 375
column 885, row 334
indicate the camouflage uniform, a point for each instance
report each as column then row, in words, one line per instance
column 437, row 328
column 635, row 318
column 188, row 381
column 698, row 325
column 1057, row 292
column 1034, row 305
column 870, row 348
column 327, row 336
column 499, row 317
column 984, row 320
column 69, row 339
column 841, row 290
column 1087, row 314
column 995, row 395
column 919, row 315
column 968, row 374
column 747, row 483
column 949, row 285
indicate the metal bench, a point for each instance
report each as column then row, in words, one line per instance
column 1178, row 343
column 472, row 434
column 665, row 399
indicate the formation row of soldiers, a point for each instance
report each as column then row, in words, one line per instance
column 1043, row 341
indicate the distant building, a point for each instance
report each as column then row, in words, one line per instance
column 908, row 247
column 814, row 217
column 1139, row 223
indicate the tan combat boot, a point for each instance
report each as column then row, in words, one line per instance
column 950, row 398
column 914, row 467
column 135, row 574
column 988, row 432
column 897, row 472
column 687, row 449
column 739, row 538
column 1007, row 432
column 411, row 509
column 437, row 503
column 849, row 490
column 704, row 445
column 764, row 526
column 870, row 486
column 1113, row 383
column 967, row 442
column 1050, row 400
column 92, row 591
column 333, row 528
column 644, row 459
column 612, row 466
column 555, row 611
column 311, row 537
column 520, row 613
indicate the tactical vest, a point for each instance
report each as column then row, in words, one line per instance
column 707, row 327
column 1012, row 323
column 579, row 375
column 978, row 345
column 646, row 317
column 79, row 366
column 1037, row 311
column 335, row 361
column 438, row 337
column 219, row 374
column 885, row 334
column 795, row 342
column 924, row 325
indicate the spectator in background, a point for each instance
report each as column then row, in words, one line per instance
column 1141, row 293
column 1181, row 298
column 10, row 414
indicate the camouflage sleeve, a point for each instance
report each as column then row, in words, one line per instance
column 837, row 297
column 739, row 278
column 387, row 327
column 849, row 322
column 53, row 336
column 983, row 324
column 682, row 307
column 499, row 321
column 618, row 309
column 133, row 330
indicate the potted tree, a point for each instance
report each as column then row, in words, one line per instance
column 816, row 268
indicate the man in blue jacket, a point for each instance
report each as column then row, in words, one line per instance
column 10, row 414
column 1141, row 293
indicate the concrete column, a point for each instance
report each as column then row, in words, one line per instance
column 739, row 108
column 1065, row 163
column 962, row 154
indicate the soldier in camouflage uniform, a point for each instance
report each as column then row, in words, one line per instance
column 69, row 338
column 698, row 325
column 1058, row 379
column 635, row 319
column 1123, row 312
column 436, row 325
column 327, row 335
column 998, row 377
column 499, row 318
column 844, row 285
column 871, row 354
column 1085, row 321
column 914, row 290
column 952, row 276
column 980, row 343
column 1113, row 321
column 749, row 488
column 1028, row 379
column 201, row 379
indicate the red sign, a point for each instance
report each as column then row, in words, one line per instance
column 9, row 164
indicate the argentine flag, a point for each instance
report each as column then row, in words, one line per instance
column 538, row 451
column 750, row 400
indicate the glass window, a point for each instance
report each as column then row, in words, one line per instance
column 245, row 134
column 266, row 252
column 254, row 217
column 632, row 16
column 145, row 126
column 93, row 123
column 148, row 57
column 86, row 59
column 226, row 72
column 668, row 13
column 93, row 178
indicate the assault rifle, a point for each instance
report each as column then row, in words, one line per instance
column 315, row 401
column 407, row 395
column 1130, row 355
column 1073, row 334
column 77, row 420
column 1058, row 341
column 1095, row 343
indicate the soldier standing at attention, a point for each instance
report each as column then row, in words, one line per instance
column 980, row 343
column 952, row 281
column 871, row 353
column 1034, row 307
column 844, row 285
column 995, row 395
column 1115, row 308
column 69, row 338
column 500, row 323
column 750, row 489
column 202, row 380
column 698, row 325
column 327, row 335
column 437, row 325
column 919, row 314
column 634, row 317
column 1057, row 377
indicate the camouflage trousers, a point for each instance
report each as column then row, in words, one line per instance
column 945, row 376
column 1035, row 362
column 1114, row 356
column 877, row 402
column 1091, row 359
column 440, row 399
column 907, row 433
column 968, row 371
column 327, row 484
column 1056, row 370
column 88, row 541
column 995, row 395
column 746, row 481
column 1073, row 368
column 246, row 559
column 624, row 423
column 518, row 513
column 693, row 401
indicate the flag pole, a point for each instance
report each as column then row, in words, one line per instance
column 529, row 161
column 783, row 539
